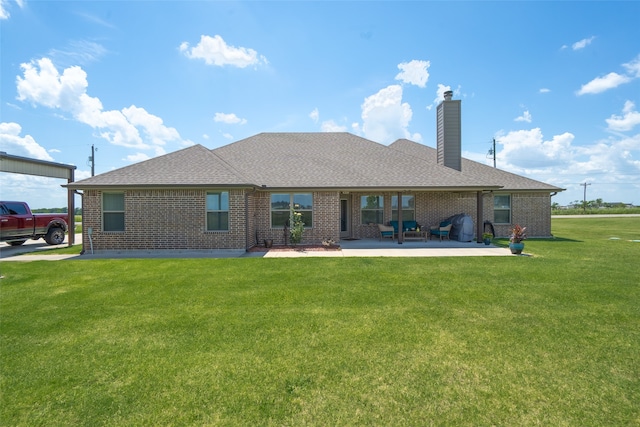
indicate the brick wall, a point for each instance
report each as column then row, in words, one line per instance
column 326, row 218
column 176, row 219
column 164, row 219
column 531, row 210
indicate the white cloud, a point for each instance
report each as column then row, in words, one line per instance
column 633, row 67
column 544, row 90
column 385, row 117
column 527, row 149
column 600, row 84
column 134, row 158
column 625, row 122
column 78, row 52
column 4, row 13
column 12, row 143
column 613, row 162
column 616, row 160
column 582, row 43
column 613, row 80
column 315, row 115
column 525, row 117
column 153, row 127
column 37, row 191
column 215, row 51
column 93, row 19
column 331, row 126
column 440, row 95
column 414, row 72
column 230, row 119
column 42, row 84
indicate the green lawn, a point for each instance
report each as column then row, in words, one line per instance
column 552, row 339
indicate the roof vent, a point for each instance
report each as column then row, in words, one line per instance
column 448, row 95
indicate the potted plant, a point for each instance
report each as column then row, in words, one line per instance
column 518, row 234
column 486, row 238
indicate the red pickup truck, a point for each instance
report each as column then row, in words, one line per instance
column 18, row 224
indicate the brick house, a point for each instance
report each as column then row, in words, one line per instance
column 237, row 195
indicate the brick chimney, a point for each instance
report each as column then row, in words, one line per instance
column 449, row 132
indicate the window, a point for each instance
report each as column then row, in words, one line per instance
column 14, row 209
column 281, row 204
column 218, row 211
column 408, row 208
column 372, row 209
column 113, row 211
column 502, row 208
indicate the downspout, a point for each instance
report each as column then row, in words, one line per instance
column 246, row 219
column 480, row 220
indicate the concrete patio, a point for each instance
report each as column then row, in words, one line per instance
column 348, row 248
column 389, row 248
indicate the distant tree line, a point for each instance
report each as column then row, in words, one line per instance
column 78, row 211
column 593, row 207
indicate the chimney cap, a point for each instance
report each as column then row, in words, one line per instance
column 448, row 95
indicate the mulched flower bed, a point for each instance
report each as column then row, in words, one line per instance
column 301, row 248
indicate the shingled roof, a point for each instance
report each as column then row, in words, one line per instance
column 310, row 160
column 334, row 160
column 189, row 167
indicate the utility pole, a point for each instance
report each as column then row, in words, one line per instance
column 92, row 159
column 584, row 197
column 492, row 152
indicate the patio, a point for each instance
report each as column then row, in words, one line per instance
column 388, row 248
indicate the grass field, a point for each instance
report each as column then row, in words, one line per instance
column 552, row 339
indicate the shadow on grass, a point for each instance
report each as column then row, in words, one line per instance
column 504, row 243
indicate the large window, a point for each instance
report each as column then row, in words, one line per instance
column 502, row 208
column 281, row 204
column 408, row 208
column 218, row 211
column 372, row 209
column 113, row 211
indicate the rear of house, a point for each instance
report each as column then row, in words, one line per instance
column 235, row 196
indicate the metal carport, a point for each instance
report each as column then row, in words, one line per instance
column 26, row 166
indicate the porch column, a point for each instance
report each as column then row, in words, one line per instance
column 400, row 226
column 479, row 210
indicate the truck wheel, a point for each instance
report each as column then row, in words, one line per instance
column 17, row 242
column 55, row 236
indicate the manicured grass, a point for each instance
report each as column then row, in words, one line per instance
column 550, row 339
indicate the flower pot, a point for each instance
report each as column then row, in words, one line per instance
column 268, row 243
column 516, row 248
column 487, row 242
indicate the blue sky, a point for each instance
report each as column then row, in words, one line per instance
column 557, row 84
